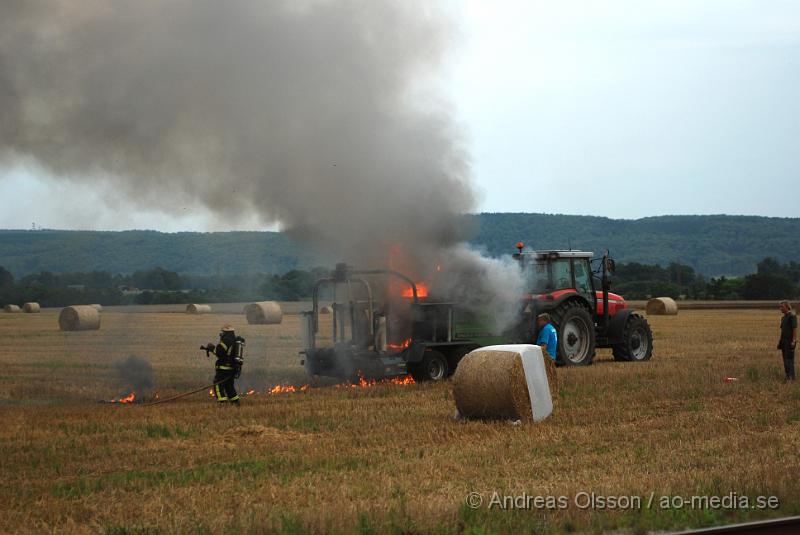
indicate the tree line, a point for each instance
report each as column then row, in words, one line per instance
column 153, row 286
column 772, row 280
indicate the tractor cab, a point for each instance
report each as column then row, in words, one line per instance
column 573, row 288
column 550, row 275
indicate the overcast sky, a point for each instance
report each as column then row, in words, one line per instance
column 615, row 108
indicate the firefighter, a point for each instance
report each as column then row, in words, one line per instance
column 228, row 365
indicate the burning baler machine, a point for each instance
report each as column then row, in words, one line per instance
column 379, row 324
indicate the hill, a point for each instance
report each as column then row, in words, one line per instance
column 713, row 245
column 66, row 251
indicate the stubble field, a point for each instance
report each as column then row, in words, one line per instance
column 387, row 458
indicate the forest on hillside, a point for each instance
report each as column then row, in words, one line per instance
column 711, row 245
column 772, row 280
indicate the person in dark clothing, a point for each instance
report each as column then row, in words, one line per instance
column 227, row 366
column 788, row 339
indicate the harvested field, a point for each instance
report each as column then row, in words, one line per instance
column 716, row 305
column 387, row 458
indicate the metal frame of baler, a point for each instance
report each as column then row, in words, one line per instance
column 436, row 319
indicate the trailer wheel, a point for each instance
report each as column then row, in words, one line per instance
column 575, row 328
column 637, row 345
column 454, row 356
column 433, row 367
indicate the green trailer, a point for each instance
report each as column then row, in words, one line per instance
column 367, row 331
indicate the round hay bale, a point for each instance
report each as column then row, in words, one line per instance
column 79, row 318
column 11, row 309
column 31, row 308
column 490, row 384
column 198, row 309
column 552, row 376
column 263, row 313
column 97, row 307
column 326, row 310
column 662, row 306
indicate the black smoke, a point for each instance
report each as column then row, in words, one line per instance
column 321, row 116
column 134, row 373
column 316, row 115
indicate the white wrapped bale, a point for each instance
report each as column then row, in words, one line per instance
column 515, row 382
column 31, row 308
column 79, row 318
column 661, row 306
column 198, row 309
column 263, row 313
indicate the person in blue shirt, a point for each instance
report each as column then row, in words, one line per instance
column 548, row 338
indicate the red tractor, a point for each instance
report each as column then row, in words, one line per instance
column 574, row 289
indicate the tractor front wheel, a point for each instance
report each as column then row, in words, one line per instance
column 434, row 367
column 575, row 328
column 637, row 344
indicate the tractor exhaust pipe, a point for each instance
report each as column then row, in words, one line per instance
column 606, row 286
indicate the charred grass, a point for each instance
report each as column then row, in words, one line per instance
column 386, row 458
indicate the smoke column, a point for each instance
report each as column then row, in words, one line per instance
column 321, row 116
column 310, row 114
column 135, row 373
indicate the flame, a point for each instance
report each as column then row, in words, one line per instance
column 406, row 380
column 366, row 383
column 250, row 392
column 211, row 392
column 422, row 291
column 127, row 399
column 402, row 345
column 362, row 382
column 283, row 389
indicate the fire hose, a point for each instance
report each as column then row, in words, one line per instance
column 179, row 396
column 208, row 349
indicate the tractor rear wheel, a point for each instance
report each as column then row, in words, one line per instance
column 433, row 367
column 637, row 345
column 575, row 328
